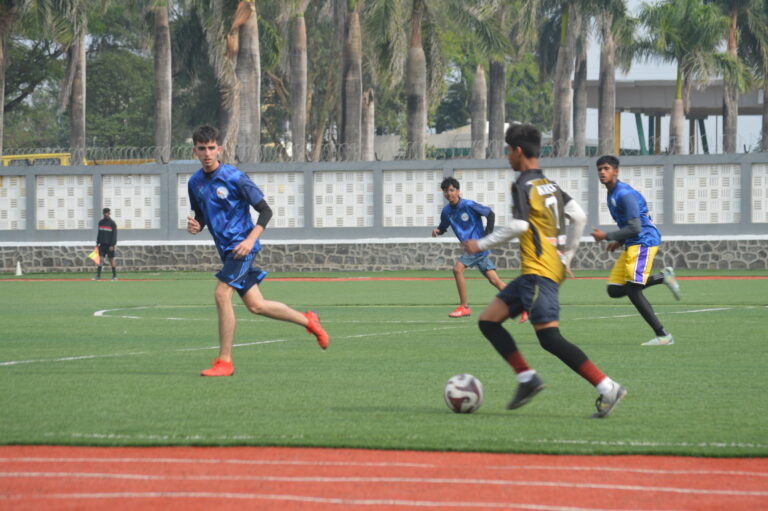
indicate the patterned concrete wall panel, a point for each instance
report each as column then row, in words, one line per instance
column 343, row 198
column 707, row 194
column 649, row 181
column 412, row 198
column 134, row 200
column 13, row 203
column 490, row 187
column 760, row 193
column 64, row 202
column 284, row 192
column 183, row 209
column 574, row 180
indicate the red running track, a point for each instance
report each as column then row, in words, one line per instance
column 227, row 478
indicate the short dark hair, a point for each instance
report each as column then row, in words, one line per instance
column 525, row 136
column 609, row 159
column 205, row 133
column 105, row 210
column 450, row 181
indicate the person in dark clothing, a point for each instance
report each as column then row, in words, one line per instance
column 105, row 243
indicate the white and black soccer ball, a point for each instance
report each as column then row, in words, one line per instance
column 463, row 393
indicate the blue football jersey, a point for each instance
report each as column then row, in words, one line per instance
column 625, row 203
column 222, row 200
column 466, row 220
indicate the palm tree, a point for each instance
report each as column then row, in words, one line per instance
column 352, row 83
column 580, row 84
column 753, row 50
column 735, row 10
column 248, row 73
column 10, row 14
column 298, row 67
column 561, row 107
column 163, row 84
column 479, row 107
column 687, row 33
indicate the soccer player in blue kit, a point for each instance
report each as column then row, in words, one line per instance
column 641, row 239
column 221, row 197
column 465, row 217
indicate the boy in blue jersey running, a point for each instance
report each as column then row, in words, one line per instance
column 641, row 239
column 465, row 217
column 221, row 197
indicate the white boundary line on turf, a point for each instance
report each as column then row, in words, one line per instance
column 454, row 481
column 374, row 464
column 302, row 498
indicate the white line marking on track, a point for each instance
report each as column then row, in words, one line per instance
column 407, row 480
column 314, row 500
column 374, row 464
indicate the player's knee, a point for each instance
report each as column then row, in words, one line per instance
column 616, row 291
column 550, row 339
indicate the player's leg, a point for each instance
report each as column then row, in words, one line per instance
column 223, row 365
column 638, row 267
column 506, row 304
column 102, row 255
column 113, row 263
column 461, row 286
column 544, row 315
column 257, row 304
column 617, row 279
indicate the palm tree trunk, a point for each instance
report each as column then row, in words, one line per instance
column 606, row 128
column 299, row 88
column 561, row 107
column 2, row 88
column 77, row 102
column 163, row 85
column 730, row 96
column 676, row 139
column 248, row 72
column 478, row 109
column 497, row 92
column 764, row 134
column 497, row 89
column 352, row 88
column 416, row 87
column 367, row 123
column 580, row 100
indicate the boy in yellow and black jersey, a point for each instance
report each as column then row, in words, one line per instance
column 540, row 209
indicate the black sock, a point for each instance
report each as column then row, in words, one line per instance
column 499, row 337
column 638, row 299
column 552, row 341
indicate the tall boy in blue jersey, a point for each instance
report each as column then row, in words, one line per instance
column 221, row 197
column 540, row 209
column 641, row 239
column 465, row 217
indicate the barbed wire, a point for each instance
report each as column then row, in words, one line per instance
column 395, row 150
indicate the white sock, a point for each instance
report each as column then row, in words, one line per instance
column 526, row 376
column 605, row 386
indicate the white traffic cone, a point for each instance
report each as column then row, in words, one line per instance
column 18, row 269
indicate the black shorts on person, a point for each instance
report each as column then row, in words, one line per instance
column 105, row 251
column 533, row 293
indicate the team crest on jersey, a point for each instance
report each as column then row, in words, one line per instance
column 464, row 217
column 613, row 201
column 222, row 192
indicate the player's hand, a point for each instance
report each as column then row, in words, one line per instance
column 435, row 233
column 193, row 226
column 470, row 247
column 613, row 246
column 569, row 272
column 598, row 234
column 243, row 249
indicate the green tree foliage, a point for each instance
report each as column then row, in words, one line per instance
column 119, row 100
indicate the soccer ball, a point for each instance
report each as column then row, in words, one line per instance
column 463, row 393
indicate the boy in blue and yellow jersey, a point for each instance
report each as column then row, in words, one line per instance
column 540, row 209
column 221, row 197
column 641, row 239
column 465, row 217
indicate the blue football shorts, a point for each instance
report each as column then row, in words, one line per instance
column 240, row 273
column 481, row 261
column 533, row 293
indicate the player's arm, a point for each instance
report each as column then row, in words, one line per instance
column 577, row 220
column 114, row 235
column 442, row 227
column 265, row 215
column 632, row 213
column 490, row 221
column 497, row 237
column 197, row 223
